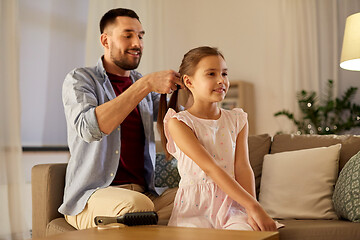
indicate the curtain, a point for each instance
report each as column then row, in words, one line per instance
column 12, row 220
column 308, row 55
column 311, row 41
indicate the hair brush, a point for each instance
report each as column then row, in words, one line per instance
column 129, row 219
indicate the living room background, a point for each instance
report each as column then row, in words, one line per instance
column 279, row 46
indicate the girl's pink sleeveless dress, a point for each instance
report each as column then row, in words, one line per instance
column 199, row 202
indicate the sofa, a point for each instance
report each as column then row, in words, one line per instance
column 48, row 187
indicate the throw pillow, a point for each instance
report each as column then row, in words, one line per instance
column 299, row 184
column 346, row 196
column 166, row 172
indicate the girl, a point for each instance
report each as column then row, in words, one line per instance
column 217, row 187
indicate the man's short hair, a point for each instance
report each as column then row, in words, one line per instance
column 111, row 15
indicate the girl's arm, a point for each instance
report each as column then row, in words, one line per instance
column 186, row 140
column 244, row 174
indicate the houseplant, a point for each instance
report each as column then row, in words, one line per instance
column 327, row 115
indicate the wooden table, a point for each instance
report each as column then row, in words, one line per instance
column 161, row 233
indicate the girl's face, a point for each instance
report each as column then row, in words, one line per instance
column 210, row 82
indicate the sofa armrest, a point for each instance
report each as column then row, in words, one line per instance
column 48, row 181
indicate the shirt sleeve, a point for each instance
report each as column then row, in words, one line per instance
column 80, row 100
column 170, row 146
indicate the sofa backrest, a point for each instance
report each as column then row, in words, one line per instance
column 260, row 145
column 350, row 144
column 47, row 182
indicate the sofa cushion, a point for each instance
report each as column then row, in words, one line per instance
column 290, row 142
column 259, row 145
column 293, row 187
column 346, row 196
column 319, row 230
column 58, row 225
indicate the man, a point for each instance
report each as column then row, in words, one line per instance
column 110, row 109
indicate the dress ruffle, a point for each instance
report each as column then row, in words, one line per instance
column 170, row 146
column 170, row 142
column 241, row 119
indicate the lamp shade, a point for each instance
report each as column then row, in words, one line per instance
column 350, row 55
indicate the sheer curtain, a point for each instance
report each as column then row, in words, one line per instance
column 11, row 182
column 309, row 52
column 311, row 45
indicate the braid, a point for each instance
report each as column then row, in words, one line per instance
column 163, row 108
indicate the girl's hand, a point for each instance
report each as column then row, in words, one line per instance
column 259, row 220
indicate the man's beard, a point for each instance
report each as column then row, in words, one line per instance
column 123, row 63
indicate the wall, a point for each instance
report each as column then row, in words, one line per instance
column 52, row 42
column 239, row 30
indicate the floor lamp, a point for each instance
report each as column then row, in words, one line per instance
column 350, row 55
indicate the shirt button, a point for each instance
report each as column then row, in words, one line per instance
column 117, row 152
column 118, row 129
column 111, row 174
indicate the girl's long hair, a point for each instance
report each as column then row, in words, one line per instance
column 187, row 67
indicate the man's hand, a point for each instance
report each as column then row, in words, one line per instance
column 163, row 81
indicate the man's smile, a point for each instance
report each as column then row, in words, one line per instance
column 134, row 52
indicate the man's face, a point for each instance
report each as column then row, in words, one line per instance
column 125, row 42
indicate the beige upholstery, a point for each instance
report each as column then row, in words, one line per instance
column 259, row 146
column 319, row 230
column 350, row 144
column 58, row 225
column 48, row 182
column 48, row 188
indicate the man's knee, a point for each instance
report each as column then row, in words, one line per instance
column 135, row 202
